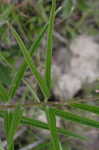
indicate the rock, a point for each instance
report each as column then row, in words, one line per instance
column 76, row 67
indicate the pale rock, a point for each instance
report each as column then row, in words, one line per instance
column 77, row 67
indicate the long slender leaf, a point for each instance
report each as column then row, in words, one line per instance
column 7, row 124
column 31, row 65
column 53, row 130
column 11, row 122
column 39, row 124
column 7, row 120
column 16, row 81
column 49, row 45
column 90, row 108
column 3, row 93
column 42, row 125
column 19, row 75
column 76, row 118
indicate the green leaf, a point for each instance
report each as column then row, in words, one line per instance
column 16, row 81
column 93, row 109
column 3, row 94
column 53, row 130
column 7, row 120
column 31, row 65
column 76, row 118
column 42, row 125
column 5, row 74
column 49, row 45
column 7, row 123
column 19, row 75
column 11, row 122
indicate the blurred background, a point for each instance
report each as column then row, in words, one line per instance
column 74, row 17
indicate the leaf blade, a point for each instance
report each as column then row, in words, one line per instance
column 28, row 60
column 53, row 130
column 76, row 118
column 3, row 93
column 40, row 124
column 49, row 45
column 11, row 122
column 90, row 108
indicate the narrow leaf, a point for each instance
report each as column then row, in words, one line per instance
column 31, row 65
column 90, row 108
column 76, row 118
column 11, row 122
column 42, row 125
column 49, row 45
column 3, row 93
column 53, row 130
column 19, row 75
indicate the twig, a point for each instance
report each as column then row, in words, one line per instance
column 55, row 104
